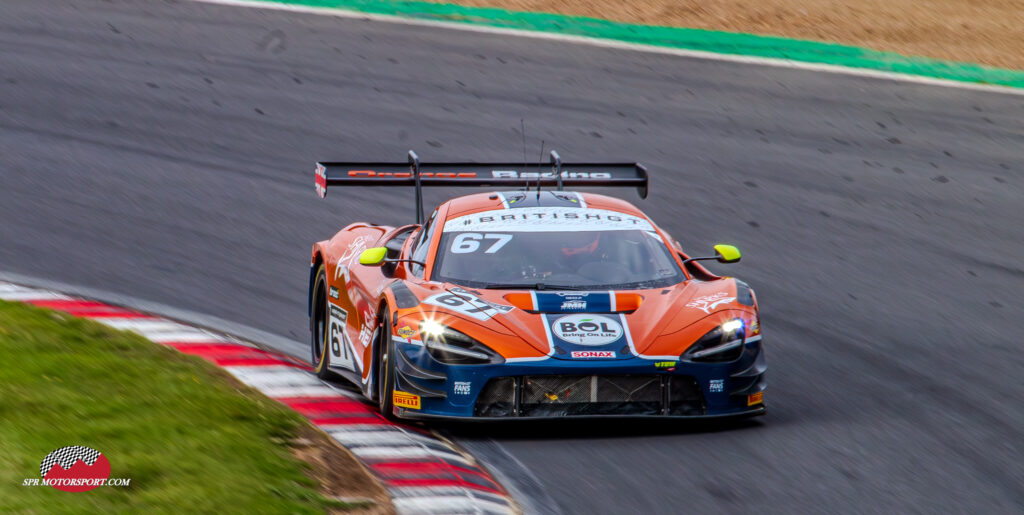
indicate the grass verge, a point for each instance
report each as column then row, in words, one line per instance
column 189, row 437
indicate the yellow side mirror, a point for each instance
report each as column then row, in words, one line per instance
column 373, row 256
column 727, row 253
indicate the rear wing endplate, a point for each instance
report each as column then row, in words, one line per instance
column 497, row 175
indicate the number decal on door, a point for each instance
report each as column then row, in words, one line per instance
column 340, row 353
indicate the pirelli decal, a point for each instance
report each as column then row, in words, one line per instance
column 405, row 400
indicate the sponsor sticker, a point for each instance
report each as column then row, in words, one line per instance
column 755, row 398
column 669, row 365
column 406, row 331
column 572, row 174
column 461, row 387
column 333, row 292
column 349, row 258
column 716, row 385
column 593, row 354
column 586, row 329
column 572, row 302
column 364, row 335
column 547, row 219
column 573, row 305
column 75, row 469
column 707, row 303
column 405, row 400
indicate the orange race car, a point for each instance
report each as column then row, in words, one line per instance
column 529, row 303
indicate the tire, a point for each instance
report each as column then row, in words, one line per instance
column 385, row 372
column 319, row 327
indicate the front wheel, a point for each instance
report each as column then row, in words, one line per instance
column 386, row 369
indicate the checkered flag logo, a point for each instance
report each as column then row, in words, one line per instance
column 67, row 456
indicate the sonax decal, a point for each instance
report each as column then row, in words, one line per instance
column 592, row 354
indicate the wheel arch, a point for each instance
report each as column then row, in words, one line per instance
column 314, row 265
column 384, row 303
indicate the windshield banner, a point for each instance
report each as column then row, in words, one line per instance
column 548, row 219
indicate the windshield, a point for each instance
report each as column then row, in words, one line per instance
column 562, row 249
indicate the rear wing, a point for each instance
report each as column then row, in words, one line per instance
column 420, row 175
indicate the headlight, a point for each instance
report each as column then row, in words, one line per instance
column 432, row 328
column 454, row 348
column 723, row 343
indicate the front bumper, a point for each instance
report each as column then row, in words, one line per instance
column 635, row 387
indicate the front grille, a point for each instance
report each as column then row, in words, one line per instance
column 569, row 395
column 685, row 397
column 497, row 398
column 590, row 395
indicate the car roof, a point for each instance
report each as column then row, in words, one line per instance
column 489, row 201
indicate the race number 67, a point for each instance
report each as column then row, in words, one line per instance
column 469, row 242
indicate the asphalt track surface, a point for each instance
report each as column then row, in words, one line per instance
column 164, row 150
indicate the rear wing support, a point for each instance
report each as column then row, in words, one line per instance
column 414, row 165
column 497, row 175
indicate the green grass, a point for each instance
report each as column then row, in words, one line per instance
column 189, row 438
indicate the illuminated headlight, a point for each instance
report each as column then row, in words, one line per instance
column 732, row 326
column 454, row 348
column 431, row 328
column 723, row 343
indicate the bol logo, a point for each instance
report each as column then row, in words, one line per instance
column 587, row 329
column 75, row 469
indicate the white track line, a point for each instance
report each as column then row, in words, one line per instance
column 280, row 381
column 444, row 491
column 404, row 453
column 160, row 330
column 447, row 500
column 609, row 43
column 276, row 376
column 27, row 295
column 447, row 506
column 345, row 429
column 379, row 438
